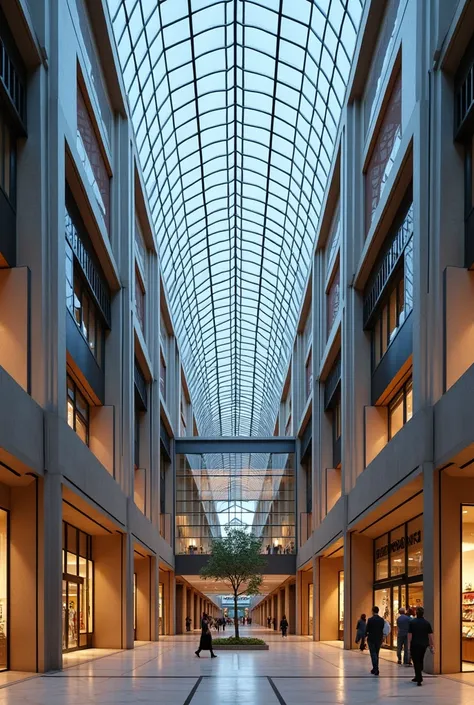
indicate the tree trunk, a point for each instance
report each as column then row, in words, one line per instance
column 236, row 617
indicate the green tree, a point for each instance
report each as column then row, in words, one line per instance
column 236, row 560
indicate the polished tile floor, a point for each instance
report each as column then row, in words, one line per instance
column 295, row 671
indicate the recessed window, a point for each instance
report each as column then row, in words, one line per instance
column 90, row 153
column 385, row 150
column 77, row 411
column 309, row 374
column 7, row 160
column 139, row 300
column 83, row 308
column 333, row 301
column 400, row 409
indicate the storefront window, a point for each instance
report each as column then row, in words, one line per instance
column 467, row 597
column 381, row 557
column 3, row 590
column 415, row 546
column 77, row 599
column 341, row 605
column 397, row 551
column 160, row 608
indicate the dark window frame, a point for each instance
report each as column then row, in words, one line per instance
column 10, row 193
column 401, row 393
column 71, row 384
column 81, row 292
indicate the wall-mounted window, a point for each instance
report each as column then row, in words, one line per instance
column 309, row 374
column 390, row 317
column 333, row 301
column 388, row 298
column 140, row 299
column 384, row 152
column 77, row 410
column 83, row 308
column 162, row 376
column 90, row 153
column 400, row 409
column 380, row 60
column 333, row 239
column 7, row 160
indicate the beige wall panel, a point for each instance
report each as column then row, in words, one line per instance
column 107, row 554
column 101, row 435
column 328, row 589
column 142, row 567
column 23, row 579
column 14, row 306
column 459, row 323
column 376, row 431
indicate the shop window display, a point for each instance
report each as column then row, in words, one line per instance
column 78, row 589
column 467, row 597
column 3, row 590
column 398, row 573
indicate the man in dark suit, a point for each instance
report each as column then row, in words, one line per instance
column 374, row 633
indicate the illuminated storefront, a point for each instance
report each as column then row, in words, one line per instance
column 78, row 589
column 398, row 579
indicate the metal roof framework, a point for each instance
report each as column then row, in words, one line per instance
column 235, row 106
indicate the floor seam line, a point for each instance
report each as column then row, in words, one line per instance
column 276, row 691
column 193, row 691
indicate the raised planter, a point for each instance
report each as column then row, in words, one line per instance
column 240, row 647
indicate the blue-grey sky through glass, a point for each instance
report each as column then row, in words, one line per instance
column 235, row 106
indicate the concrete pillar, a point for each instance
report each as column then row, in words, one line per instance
column 27, row 575
column 358, row 582
column 50, row 623
column 113, row 596
column 145, row 618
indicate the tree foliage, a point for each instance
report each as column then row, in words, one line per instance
column 236, row 560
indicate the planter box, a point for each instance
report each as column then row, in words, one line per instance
column 241, row 647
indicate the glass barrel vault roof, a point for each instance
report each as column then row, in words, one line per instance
column 235, row 106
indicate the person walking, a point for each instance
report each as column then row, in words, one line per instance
column 403, row 622
column 269, row 622
column 188, row 624
column 284, row 626
column 375, row 633
column 361, row 628
column 205, row 643
column 420, row 637
column 274, row 622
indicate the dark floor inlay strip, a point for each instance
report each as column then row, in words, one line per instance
column 276, row 691
column 192, row 693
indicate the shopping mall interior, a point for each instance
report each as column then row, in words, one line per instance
column 236, row 292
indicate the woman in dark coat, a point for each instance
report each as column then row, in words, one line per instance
column 284, row 626
column 205, row 644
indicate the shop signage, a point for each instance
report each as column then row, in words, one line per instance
column 398, row 545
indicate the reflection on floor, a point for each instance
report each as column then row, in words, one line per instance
column 295, row 671
column 9, row 677
column 74, row 658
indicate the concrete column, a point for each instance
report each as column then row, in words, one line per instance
column 315, row 562
column 431, row 562
column 113, row 591
column 50, row 623
column 358, row 582
column 145, row 626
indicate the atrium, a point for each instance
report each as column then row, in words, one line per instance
column 236, row 292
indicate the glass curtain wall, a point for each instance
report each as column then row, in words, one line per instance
column 217, row 492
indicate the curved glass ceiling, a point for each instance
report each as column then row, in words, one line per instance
column 235, row 106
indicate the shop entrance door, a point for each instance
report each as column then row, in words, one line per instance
column 73, row 594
